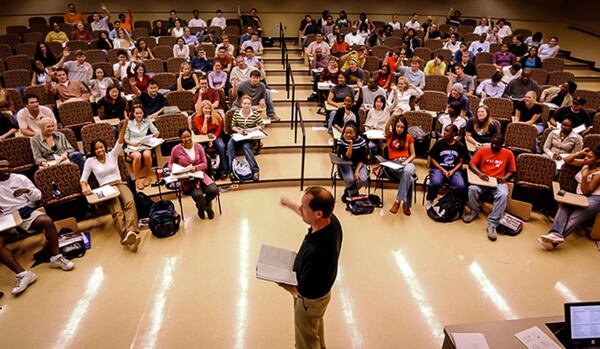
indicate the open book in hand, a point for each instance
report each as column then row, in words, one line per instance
column 256, row 134
column 105, row 191
column 148, row 142
column 276, row 264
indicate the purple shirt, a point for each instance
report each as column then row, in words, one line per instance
column 503, row 59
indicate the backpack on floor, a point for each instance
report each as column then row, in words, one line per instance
column 510, row 225
column 163, row 220
column 143, row 204
column 447, row 209
column 70, row 244
column 240, row 168
column 359, row 205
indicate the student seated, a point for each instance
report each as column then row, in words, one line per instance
column 112, row 105
column 348, row 112
column 67, row 90
column 180, row 49
column 529, row 112
column 124, row 40
column 377, row 118
column 480, row 129
column 105, row 167
column 28, row 118
column 401, row 150
column 139, row 127
column 451, row 117
column 561, row 95
column 563, row 141
column 206, row 93
column 580, row 116
column 18, row 194
column 404, row 92
column 260, row 94
column 204, row 190
column 446, row 159
column 493, row 87
column 245, row 120
column 99, row 84
column 351, row 146
column 570, row 217
column 517, row 88
column 187, row 80
column 217, row 78
column 50, row 145
column 207, row 121
column 498, row 162
column 141, row 52
column 56, row 35
column 549, row 50
column 73, row 17
column 435, row 66
column 152, row 101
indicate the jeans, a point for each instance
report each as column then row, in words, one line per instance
column 375, row 147
column 77, row 158
column 219, row 145
column 347, row 172
column 405, row 186
column 500, row 201
column 269, row 103
column 248, row 148
column 437, row 179
column 330, row 121
column 570, row 217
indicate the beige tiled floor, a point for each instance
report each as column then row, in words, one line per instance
column 401, row 280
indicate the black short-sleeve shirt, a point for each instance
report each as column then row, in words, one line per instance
column 527, row 114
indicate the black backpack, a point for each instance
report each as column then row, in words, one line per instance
column 359, row 205
column 163, row 219
column 143, row 204
column 448, row 208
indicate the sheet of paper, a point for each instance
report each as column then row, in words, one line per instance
column 375, row 134
column 7, row 222
column 470, row 341
column 276, row 264
column 105, row 190
column 257, row 134
column 392, row 165
column 153, row 142
column 319, row 128
column 177, row 169
column 535, row 338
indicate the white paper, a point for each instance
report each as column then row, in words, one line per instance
column 319, row 128
column 392, row 165
column 276, row 264
column 375, row 134
column 177, row 169
column 153, row 142
column 105, row 190
column 578, row 129
column 552, row 105
column 256, row 134
column 336, row 134
column 324, row 85
column 535, row 338
column 7, row 222
column 470, row 341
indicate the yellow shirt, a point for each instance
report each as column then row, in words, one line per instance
column 59, row 37
column 355, row 56
column 431, row 69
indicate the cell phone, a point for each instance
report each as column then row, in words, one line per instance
column 561, row 193
column 211, row 136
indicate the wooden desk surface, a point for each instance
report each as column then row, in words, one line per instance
column 501, row 334
column 569, row 198
column 474, row 179
column 112, row 122
column 94, row 199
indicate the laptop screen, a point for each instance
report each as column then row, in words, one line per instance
column 583, row 320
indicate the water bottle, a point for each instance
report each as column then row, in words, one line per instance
column 55, row 191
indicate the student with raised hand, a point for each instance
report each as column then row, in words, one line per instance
column 493, row 161
column 137, row 128
column 203, row 190
column 569, row 217
column 100, row 23
column 19, row 195
column 351, row 146
column 446, row 159
column 401, row 150
column 104, row 165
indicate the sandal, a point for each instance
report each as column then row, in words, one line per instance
column 146, row 182
column 139, row 185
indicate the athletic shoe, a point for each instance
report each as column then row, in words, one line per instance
column 60, row 262
column 255, row 177
column 470, row 217
column 128, row 239
column 491, row 233
column 274, row 117
column 136, row 243
column 428, row 204
column 24, row 279
column 553, row 238
column 547, row 245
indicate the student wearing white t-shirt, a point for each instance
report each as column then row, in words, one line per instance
column 99, row 23
column 549, row 50
column 105, row 167
column 219, row 20
column 197, row 21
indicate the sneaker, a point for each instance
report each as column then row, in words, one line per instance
column 491, row 233
column 553, row 238
column 428, row 204
column 255, row 177
column 209, row 212
column 312, row 97
column 129, row 239
column 547, row 245
column 60, row 262
column 136, row 243
column 24, row 279
column 470, row 217
column 345, row 197
column 274, row 117
column 330, row 142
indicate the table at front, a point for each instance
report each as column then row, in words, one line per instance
column 501, row 334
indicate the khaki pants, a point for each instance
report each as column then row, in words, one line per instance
column 122, row 209
column 308, row 321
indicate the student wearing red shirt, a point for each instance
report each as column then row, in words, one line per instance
column 208, row 121
column 498, row 162
column 339, row 47
column 401, row 150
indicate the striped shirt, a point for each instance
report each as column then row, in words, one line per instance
column 243, row 123
column 359, row 150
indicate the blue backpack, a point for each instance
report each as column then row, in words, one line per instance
column 163, row 220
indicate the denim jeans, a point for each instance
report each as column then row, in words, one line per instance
column 570, row 217
column 405, row 186
column 248, row 148
column 269, row 103
column 77, row 158
column 347, row 172
column 500, row 201
column 219, row 145
column 375, row 147
column 437, row 179
column 330, row 121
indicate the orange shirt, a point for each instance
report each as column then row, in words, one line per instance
column 494, row 164
column 395, row 153
column 128, row 24
column 72, row 18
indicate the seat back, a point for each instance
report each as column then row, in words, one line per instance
column 174, row 64
column 419, row 118
column 42, row 94
column 500, row 108
column 566, row 177
column 167, row 41
column 484, row 57
column 76, row 113
column 436, row 83
column 539, row 75
column 485, row 70
column 66, row 178
column 591, row 141
column 17, row 151
column 163, row 52
column 435, row 101
column 372, row 64
column 559, row 77
column 169, row 125
column 75, row 45
column 433, row 44
column 17, row 78
column 26, row 48
column 536, row 171
column 592, row 98
column 553, row 64
column 70, row 136
column 165, row 80
column 447, row 54
column 154, row 66
column 18, row 62
column 423, row 52
column 184, row 100
column 520, row 137
column 95, row 56
column 474, row 102
column 380, row 51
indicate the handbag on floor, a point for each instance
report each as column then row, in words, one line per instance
column 359, row 205
column 510, row 225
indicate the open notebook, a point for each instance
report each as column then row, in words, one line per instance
column 276, row 264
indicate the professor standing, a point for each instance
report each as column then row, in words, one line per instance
column 316, row 265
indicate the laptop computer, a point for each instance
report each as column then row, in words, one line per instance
column 582, row 324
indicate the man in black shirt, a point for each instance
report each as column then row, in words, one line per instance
column 152, row 101
column 580, row 116
column 316, row 265
column 446, row 157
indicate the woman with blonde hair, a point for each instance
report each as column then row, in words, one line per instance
column 123, row 40
column 480, row 129
column 208, row 121
column 187, row 80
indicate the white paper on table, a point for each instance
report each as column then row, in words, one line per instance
column 7, row 221
column 535, row 338
column 274, row 90
column 256, row 134
column 561, row 162
column 578, row 129
column 470, row 341
column 319, row 128
column 105, row 190
column 336, row 134
column 392, row 165
column 317, row 70
column 324, row 85
column 276, row 264
column 375, row 134
column 177, row 169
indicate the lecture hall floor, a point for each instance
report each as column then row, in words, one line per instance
column 400, row 281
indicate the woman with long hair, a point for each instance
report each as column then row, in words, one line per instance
column 123, row 40
column 480, row 129
column 400, row 150
column 142, row 52
column 139, row 127
column 207, row 121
